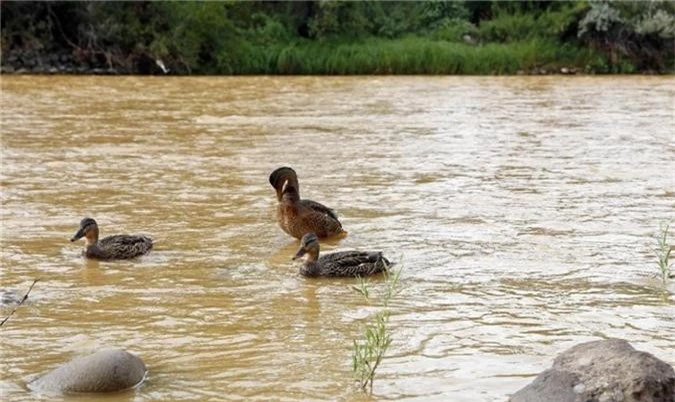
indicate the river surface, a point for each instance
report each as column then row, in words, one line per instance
column 523, row 212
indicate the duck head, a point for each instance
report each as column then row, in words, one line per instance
column 285, row 181
column 309, row 244
column 88, row 229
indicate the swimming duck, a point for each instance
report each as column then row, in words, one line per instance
column 296, row 216
column 341, row 263
column 111, row 247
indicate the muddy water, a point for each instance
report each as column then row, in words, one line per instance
column 522, row 210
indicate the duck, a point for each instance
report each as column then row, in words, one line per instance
column 341, row 263
column 298, row 216
column 114, row 247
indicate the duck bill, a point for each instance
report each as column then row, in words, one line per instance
column 300, row 253
column 78, row 235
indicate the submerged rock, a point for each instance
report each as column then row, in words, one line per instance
column 105, row 371
column 9, row 297
column 602, row 371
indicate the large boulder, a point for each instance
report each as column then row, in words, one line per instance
column 105, row 371
column 602, row 371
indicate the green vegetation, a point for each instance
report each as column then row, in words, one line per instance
column 663, row 251
column 342, row 37
column 413, row 55
column 369, row 351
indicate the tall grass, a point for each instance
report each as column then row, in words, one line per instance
column 412, row 55
column 371, row 348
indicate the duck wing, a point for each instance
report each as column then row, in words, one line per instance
column 316, row 218
column 125, row 246
column 318, row 207
column 352, row 263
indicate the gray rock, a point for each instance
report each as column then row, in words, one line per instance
column 105, row 371
column 602, row 371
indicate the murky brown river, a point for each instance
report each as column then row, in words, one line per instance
column 523, row 211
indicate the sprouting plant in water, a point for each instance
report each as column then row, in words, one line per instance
column 370, row 349
column 663, row 251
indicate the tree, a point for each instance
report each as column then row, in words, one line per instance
column 639, row 32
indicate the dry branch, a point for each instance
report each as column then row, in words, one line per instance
column 25, row 297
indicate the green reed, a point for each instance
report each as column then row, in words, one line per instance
column 414, row 55
column 371, row 348
column 663, row 251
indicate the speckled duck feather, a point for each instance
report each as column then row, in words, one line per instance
column 341, row 263
column 346, row 263
column 124, row 246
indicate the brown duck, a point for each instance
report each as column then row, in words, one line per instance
column 111, row 247
column 297, row 216
column 341, row 263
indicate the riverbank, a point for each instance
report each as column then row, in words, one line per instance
column 373, row 56
column 52, row 63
